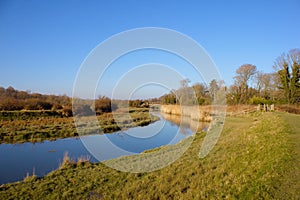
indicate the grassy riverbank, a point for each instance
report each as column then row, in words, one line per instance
column 35, row 126
column 256, row 157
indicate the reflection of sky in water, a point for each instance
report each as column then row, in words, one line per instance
column 18, row 159
column 120, row 143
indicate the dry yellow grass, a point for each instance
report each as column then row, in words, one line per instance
column 199, row 113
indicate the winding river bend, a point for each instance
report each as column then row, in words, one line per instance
column 41, row 158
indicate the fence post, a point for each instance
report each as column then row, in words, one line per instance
column 272, row 107
column 258, row 107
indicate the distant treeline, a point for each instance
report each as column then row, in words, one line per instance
column 105, row 105
column 282, row 86
column 13, row 100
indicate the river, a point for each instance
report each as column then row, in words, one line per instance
column 43, row 157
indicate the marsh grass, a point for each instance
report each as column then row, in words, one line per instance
column 36, row 126
column 198, row 113
column 67, row 161
column 29, row 177
column 253, row 159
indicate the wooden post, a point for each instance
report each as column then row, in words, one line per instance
column 258, row 108
column 272, row 107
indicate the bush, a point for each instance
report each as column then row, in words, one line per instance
column 289, row 108
column 104, row 105
column 259, row 100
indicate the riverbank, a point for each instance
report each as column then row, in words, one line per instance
column 36, row 126
column 255, row 158
column 205, row 113
column 198, row 113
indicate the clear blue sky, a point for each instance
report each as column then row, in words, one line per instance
column 43, row 43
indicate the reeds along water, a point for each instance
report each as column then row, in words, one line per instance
column 186, row 122
column 198, row 113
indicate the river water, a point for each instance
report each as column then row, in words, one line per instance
column 16, row 160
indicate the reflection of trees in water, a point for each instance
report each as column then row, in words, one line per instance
column 186, row 123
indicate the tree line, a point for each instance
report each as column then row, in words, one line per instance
column 250, row 86
column 14, row 100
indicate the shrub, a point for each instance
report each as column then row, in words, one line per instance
column 259, row 100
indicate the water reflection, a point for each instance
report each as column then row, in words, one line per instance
column 186, row 123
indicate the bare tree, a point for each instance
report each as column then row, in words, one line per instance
column 263, row 84
column 200, row 93
column 184, row 92
column 259, row 82
column 213, row 88
column 243, row 74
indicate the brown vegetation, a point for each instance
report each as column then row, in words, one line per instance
column 200, row 113
column 35, row 126
column 11, row 99
column 289, row 108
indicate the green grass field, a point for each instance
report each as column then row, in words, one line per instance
column 256, row 157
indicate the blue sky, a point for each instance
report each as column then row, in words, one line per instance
column 43, row 43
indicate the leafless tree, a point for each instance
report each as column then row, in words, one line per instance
column 243, row 74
